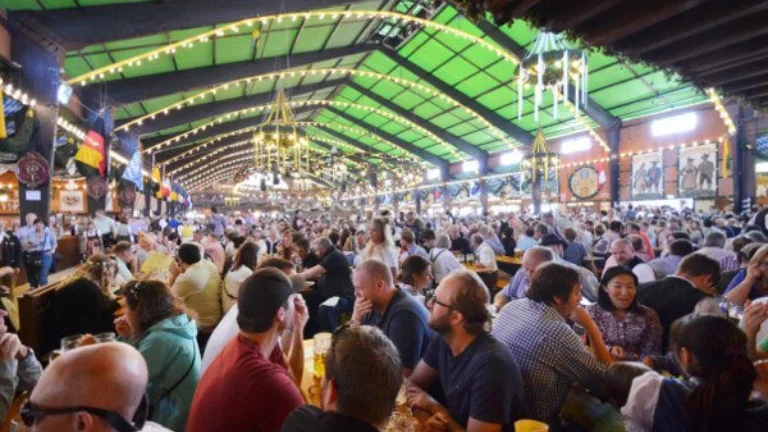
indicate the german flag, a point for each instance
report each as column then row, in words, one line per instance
column 91, row 152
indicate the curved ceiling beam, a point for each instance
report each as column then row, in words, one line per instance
column 237, row 27
column 83, row 26
column 235, row 131
column 131, row 90
column 240, row 149
column 313, row 103
column 197, row 112
column 459, row 143
column 429, row 157
column 507, row 126
column 413, row 86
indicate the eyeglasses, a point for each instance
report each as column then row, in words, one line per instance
column 31, row 414
column 335, row 337
column 133, row 289
column 430, row 297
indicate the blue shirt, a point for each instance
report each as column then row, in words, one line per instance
column 41, row 242
column 575, row 253
column 739, row 278
column 517, row 287
column 526, row 243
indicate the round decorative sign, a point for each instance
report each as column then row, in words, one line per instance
column 127, row 196
column 97, row 187
column 33, row 170
column 584, row 183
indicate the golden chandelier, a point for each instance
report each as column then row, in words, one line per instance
column 279, row 143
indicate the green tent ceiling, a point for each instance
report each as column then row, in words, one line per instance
column 622, row 89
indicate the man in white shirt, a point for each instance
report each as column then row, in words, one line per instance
column 27, row 229
column 106, row 226
column 484, row 254
column 443, row 261
column 622, row 253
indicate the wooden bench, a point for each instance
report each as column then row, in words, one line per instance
column 33, row 306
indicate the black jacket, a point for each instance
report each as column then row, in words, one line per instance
column 671, row 298
column 11, row 251
column 311, row 419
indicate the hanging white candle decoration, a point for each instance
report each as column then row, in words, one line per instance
column 551, row 64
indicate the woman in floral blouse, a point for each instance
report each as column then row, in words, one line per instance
column 630, row 331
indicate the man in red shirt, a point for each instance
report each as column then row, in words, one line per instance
column 249, row 387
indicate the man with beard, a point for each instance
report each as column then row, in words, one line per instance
column 481, row 382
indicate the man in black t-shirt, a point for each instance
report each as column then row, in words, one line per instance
column 398, row 314
column 334, row 279
column 481, row 382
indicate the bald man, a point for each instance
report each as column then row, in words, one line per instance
column 398, row 314
column 105, row 382
column 518, row 286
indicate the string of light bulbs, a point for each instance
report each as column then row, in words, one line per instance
column 622, row 155
column 17, row 93
column 171, row 49
column 722, row 111
column 407, row 157
column 418, row 88
column 577, row 115
column 293, row 104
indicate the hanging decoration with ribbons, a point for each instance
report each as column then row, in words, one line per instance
column 552, row 64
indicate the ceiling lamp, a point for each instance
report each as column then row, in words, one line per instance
column 540, row 159
column 551, row 64
column 279, row 142
column 333, row 167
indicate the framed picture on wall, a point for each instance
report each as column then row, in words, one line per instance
column 647, row 176
column 697, row 171
column 71, row 201
column 584, row 183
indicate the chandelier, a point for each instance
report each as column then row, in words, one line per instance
column 540, row 159
column 279, row 143
column 551, row 64
column 333, row 168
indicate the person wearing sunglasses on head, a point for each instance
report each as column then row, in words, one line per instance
column 157, row 323
column 19, row 368
column 91, row 389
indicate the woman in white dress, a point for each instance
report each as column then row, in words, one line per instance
column 246, row 261
column 380, row 245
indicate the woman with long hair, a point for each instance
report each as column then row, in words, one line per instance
column 245, row 262
column 630, row 331
column 713, row 353
column 83, row 303
column 380, row 245
column 159, row 326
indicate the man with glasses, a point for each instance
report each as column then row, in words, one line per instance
column 92, row 388
column 398, row 314
column 480, row 380
column 353, row 398
column 518, row 286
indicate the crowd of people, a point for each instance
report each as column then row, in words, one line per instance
column 210, row 315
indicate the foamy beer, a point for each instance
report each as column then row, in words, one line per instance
column 322, row 343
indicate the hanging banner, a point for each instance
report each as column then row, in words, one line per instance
column 71, row 201
column 648, row 176
column 697, row 171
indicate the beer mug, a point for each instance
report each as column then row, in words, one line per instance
column 322, row 343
